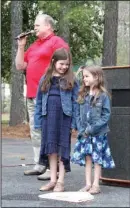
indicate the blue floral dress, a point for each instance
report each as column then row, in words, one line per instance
column 95, row 146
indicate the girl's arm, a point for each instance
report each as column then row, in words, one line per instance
column 38, row 107
column 105, row 116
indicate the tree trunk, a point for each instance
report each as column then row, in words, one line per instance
column 63, row 23
column 17, row 110
column 110, row 33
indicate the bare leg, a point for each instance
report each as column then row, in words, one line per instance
column 53, row 167
column 60, row 182
column 97, row 174
column 88, row 171
column 61, row 172
column 53, row 170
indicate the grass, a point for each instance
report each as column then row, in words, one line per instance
column 5, row 118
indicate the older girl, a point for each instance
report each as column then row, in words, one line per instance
column 55, row 115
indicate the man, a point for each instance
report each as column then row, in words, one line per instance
column 36, row 60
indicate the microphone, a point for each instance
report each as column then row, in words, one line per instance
column 24, row 34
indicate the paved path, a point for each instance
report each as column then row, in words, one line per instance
column 22, row 191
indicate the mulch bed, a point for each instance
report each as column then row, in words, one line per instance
column 20, row 131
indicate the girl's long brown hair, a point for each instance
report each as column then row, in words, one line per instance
column 96, row 71
column 68, row 77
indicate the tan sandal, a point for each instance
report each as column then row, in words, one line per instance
column 59, row 187
column 94, row 190
column 49, row 186
column 86, row 188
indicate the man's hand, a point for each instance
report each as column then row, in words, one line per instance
column 22, row 41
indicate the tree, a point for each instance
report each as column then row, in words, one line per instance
column 63, row 22
column 17, row 110
column 123, row 39
column 110, row 33
column 85, row 25
column 5, row 41
column 30, row 10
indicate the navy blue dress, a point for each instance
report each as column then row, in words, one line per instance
column 56, row 126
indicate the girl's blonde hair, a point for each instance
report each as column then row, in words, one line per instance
column 68, row 77
column 99, row 84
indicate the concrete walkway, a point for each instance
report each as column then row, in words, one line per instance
column 22, row 191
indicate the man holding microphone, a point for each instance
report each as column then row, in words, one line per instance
column 35, row 61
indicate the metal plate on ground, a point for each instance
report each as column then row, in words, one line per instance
column 68, row 196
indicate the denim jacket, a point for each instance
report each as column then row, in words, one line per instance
column 68, row 101
column 93, row 120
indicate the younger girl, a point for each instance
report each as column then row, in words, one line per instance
column 92, row 123
column 55, row 115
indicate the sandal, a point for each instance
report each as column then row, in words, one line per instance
column 94, row 190
column 59, row 187
column 86, row 188
column 49, row 186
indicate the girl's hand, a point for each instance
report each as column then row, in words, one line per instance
column 82, row 134
column 85, row 135
column 79, row 70
column 72, row 131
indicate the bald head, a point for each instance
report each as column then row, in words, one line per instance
column 46, row 19
column 43, row 25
